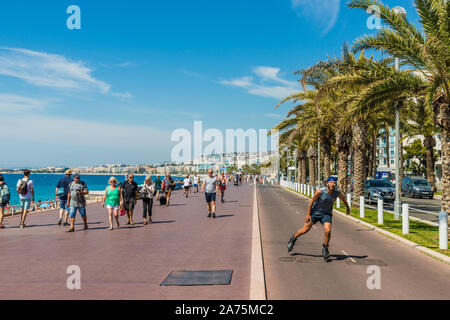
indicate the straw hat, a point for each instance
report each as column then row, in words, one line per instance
column 68, row 172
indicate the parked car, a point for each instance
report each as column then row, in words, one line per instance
column 416, row 187
column 379, row 189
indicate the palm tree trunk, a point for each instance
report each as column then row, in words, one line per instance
column 429, row 144
column 359, row 144
column 326, row 148
column 445, row 204
column 303, row 166
column 388, row 147
column 375, row 162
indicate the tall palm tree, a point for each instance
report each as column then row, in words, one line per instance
column 428, row 53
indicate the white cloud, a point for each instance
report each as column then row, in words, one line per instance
column 324, row 13
column 125, row 95
column 10, row 103
column 48, row 70
column 267, row 83
column 82, row 133
column 273, row 115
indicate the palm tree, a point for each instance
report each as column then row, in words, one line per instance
column 427, row 53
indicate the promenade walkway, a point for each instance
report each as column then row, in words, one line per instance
column 131, row 262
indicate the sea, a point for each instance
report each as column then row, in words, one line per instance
column 45, row 184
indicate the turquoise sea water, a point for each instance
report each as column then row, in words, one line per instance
column 45, row 184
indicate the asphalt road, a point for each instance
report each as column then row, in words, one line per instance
column 405, row 273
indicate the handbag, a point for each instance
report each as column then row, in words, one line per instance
column 122, row 211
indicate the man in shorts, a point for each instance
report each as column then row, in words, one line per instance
column 211, row 187
column 76, row 201
column 223, row 183
column 186, row 185
column 321, row 209
column 25, row 189
column 196, row 182
column 62, row 189
column 130, row 191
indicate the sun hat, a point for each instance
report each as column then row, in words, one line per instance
column 68, row 171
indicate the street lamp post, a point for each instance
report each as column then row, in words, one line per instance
column 397, row 204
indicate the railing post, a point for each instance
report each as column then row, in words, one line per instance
column 361, row 207
column 349, row 200
column 380, row 212
column 405, row 218
column 338, row 202
column 443, row 230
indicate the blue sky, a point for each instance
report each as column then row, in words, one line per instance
column 114, row 91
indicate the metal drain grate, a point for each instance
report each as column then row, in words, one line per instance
column 198, row 278
column 294, row 259
column 366, row 262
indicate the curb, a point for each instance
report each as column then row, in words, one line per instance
column 257, row 278
column 419, row 247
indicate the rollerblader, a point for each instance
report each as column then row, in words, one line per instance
column 321, row 209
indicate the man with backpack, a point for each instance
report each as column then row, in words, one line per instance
column 25, row 189
column 62, row 189
column 5, row 196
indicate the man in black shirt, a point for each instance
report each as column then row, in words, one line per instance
column 130, row 192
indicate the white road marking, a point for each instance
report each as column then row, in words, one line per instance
column 353, row 260
column 314, row 227
column 297, row 212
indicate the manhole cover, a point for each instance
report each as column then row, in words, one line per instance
column 293, row 259
column 366, row 262
column 198, row 278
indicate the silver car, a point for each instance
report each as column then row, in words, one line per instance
column 379, row 189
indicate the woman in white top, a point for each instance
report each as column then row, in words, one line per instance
column 147, row 198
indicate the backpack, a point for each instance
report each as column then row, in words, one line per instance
column 5, row 195
column 23, row 188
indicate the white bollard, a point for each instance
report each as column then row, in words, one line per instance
column 443, row 230
column 349, row 200
column 380, row 212
column 361, row 207
column 405, row 218
column 338, row 202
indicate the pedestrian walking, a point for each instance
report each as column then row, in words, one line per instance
column 211, row 188
column 169, row 185
column 112, row 198
column 5, row 196
column 158, row 183
column 76, row 201
column 321, row 209
column 186, row 185
column 61, row 192
column 130, row 194
column 147, row 192
column 25, row 189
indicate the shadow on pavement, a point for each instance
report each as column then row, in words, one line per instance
column 337, row 257
column 225, row 215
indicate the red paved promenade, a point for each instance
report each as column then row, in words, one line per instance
column 131, row 262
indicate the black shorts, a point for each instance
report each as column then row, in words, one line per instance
column 129, row 204
column 322, row 218
column 210, row 197
column 186, row 188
